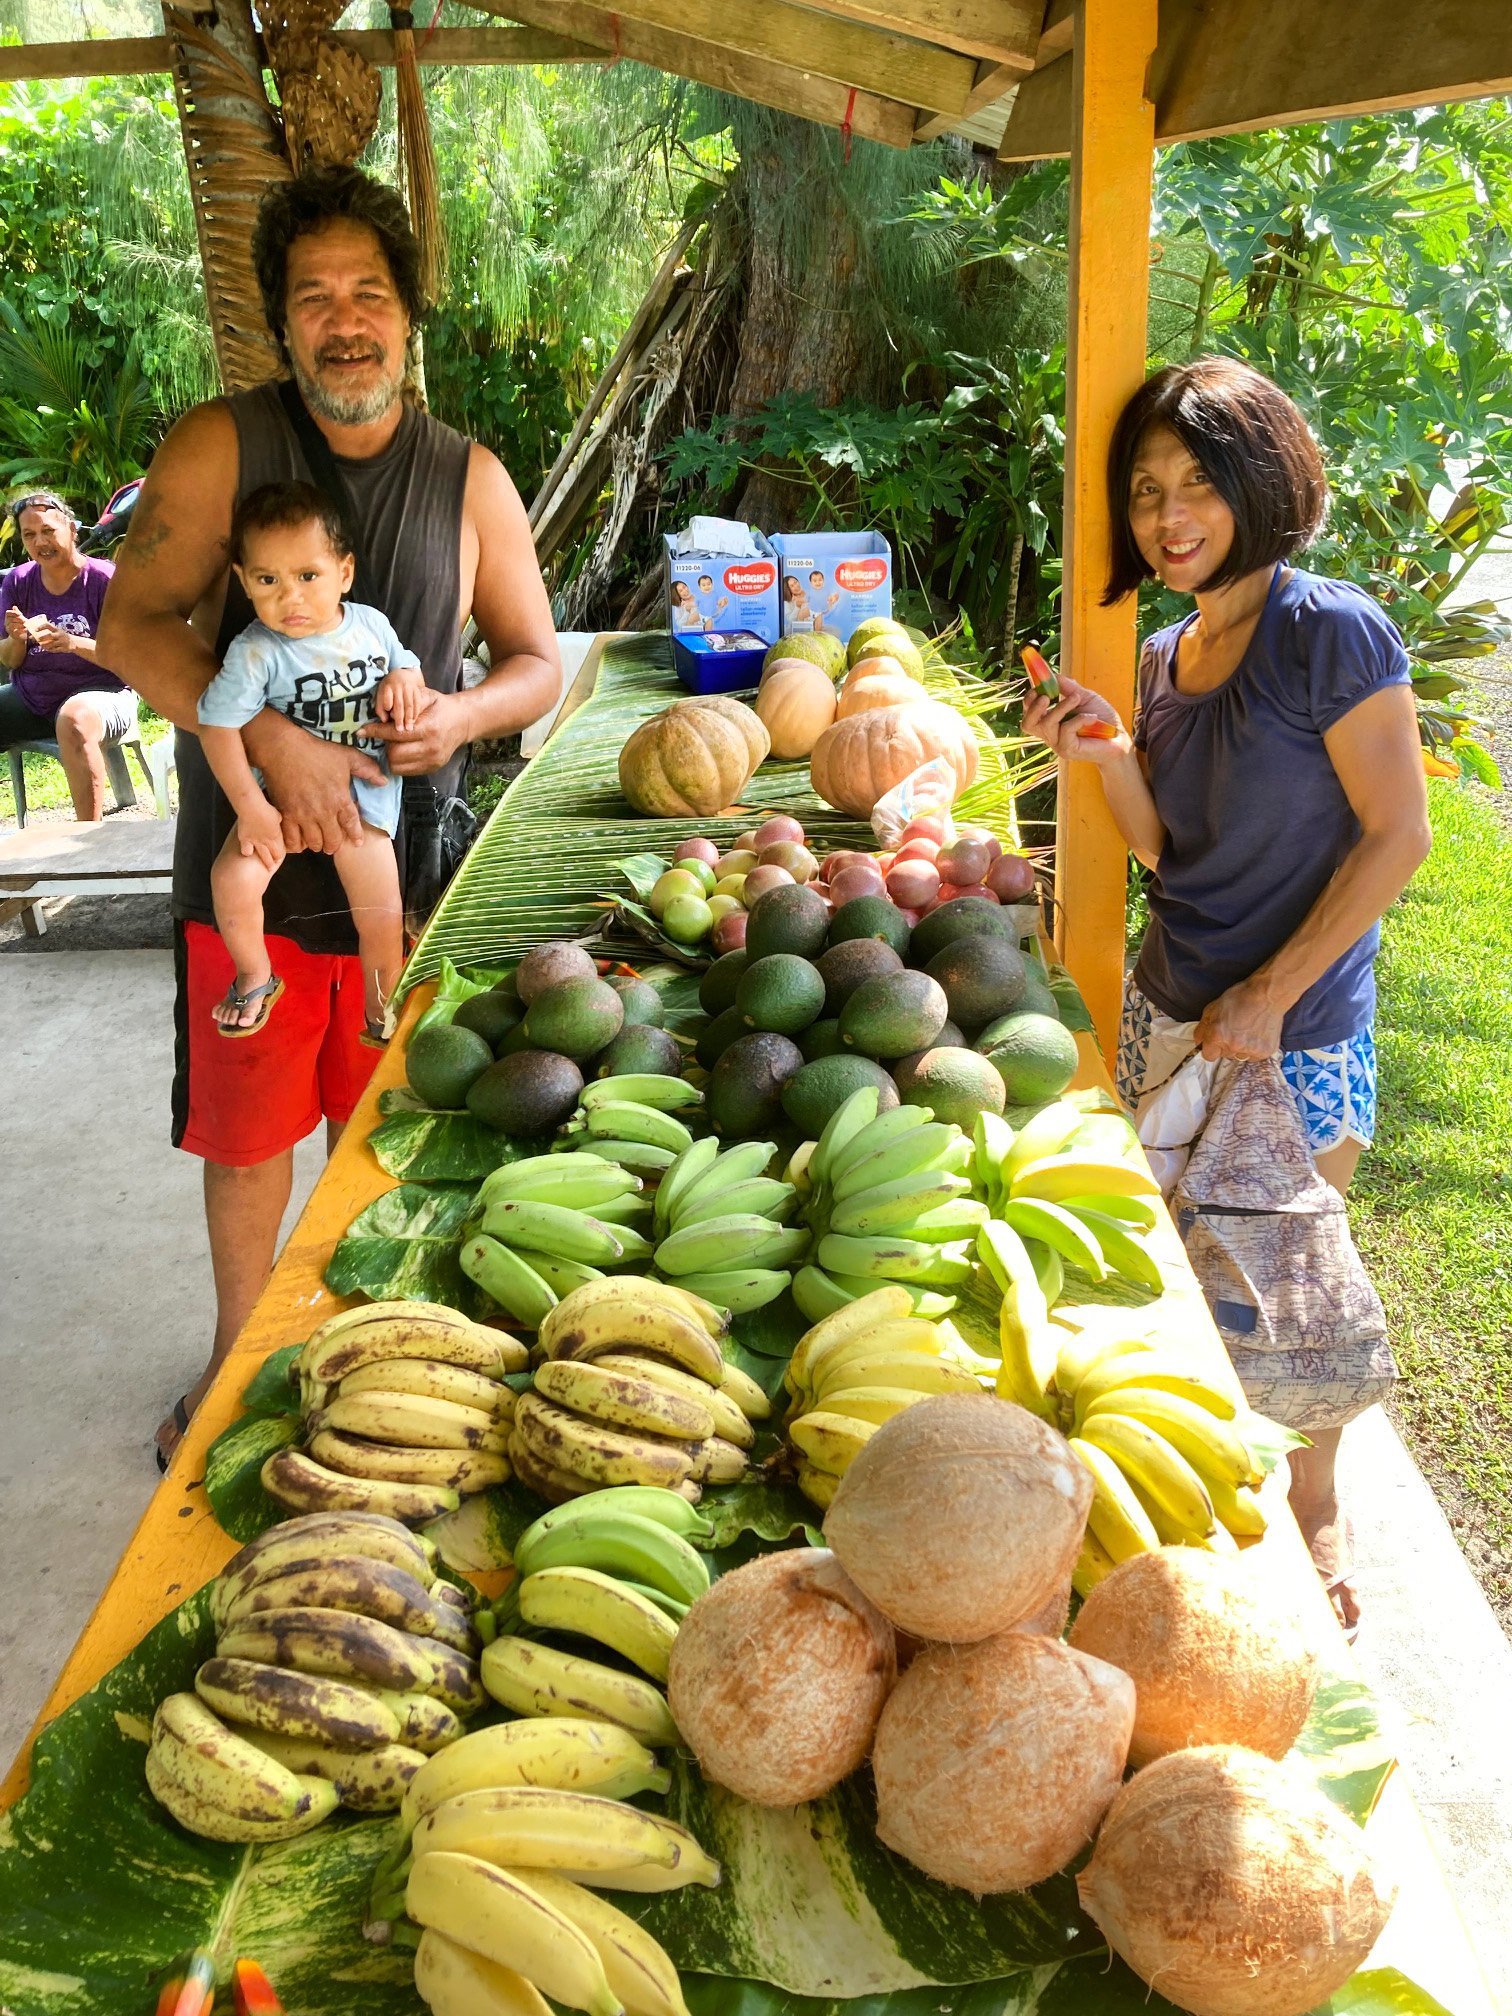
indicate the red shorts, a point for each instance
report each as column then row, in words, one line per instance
column 240, row 1100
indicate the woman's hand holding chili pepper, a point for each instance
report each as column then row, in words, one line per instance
column 1080, row 724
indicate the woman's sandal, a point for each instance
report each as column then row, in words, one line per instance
column 266, row 995
column 181, row 1422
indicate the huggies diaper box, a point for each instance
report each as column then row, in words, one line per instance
column 832, row 580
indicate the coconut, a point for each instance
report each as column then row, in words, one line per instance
column 961, row 1517
column 1050, row 1619
column 1233, row 1885
column 778, row 1675
column 995, row 1762
column 1213, row 1654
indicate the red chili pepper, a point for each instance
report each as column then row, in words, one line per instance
column 1096, row 731
column 254, row 1991
column 190, row 1988
column 1041, row 677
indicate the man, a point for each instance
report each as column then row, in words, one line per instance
column 442, row 533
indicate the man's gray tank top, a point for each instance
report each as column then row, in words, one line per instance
column 408, row 502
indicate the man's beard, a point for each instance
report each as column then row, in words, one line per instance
column 349, row 409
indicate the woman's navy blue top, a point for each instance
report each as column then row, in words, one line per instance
column 1256, row 819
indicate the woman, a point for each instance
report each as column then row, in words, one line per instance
column 1272, row 784
column 59, row 691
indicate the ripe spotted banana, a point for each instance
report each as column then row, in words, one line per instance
column 363, row 1587
column 586, row 1603
column 367, row 1781
column 431, row 1379
column 411, row 1421
column 624, row 1399
column 637, row 1969
column 592, row 1450
column 425, row 1724
column 717, row 1461
column 747, row 1395
column 451, row 1981
column 297, row 1480
column 557, row 1487
column 893, row 1337
column 464, row 1470
column 334, row 1643
column 456, row 1681
column 305, row 1543
column 416, row 1335
column 537, row 1827
column 295, row 1704
column 562, row 1753
column 539, row 1680
column 221, row 1767
column 915, row 1371
column 215, row 1823
column 619, row 1315
column 497, row 1914
column 725, row 1415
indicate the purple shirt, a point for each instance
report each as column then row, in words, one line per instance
column 1256, row 819
column 45, row 679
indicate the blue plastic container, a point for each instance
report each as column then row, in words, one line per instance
column 719, row 661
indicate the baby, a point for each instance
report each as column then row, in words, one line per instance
column 334, row 667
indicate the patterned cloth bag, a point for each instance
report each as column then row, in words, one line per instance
column 1270, row 1244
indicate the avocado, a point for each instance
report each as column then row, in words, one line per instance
column 640, row 1046
column 955, row 1085
column 575, row 1017
column 963, row 917
column 893, row 1014
column 844, row 966
column 717, row 1035
column 781, row 992
column 1034, row 1056
column 642, row 1003
column 491, row 1015
column 983, row 978
column 549, row 965
column 507, row 986
column 716, row 990
column 528, row 1094
column 514, row 1042
column 816, row 1092
column 443, row 1062
column 1037, row 994
column 792, row 918
column 870, row 917
column 744, row 1096
column 820, row 1039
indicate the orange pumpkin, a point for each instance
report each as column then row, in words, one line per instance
column 878, row 682
column 861, row 758
column 693, row 759
column 796, row 704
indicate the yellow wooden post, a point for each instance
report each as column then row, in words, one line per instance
column 1112, row 156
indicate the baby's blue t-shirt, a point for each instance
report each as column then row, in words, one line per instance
column 1256, row 819
column 328, row 684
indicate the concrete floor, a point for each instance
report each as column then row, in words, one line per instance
column 105, row 1292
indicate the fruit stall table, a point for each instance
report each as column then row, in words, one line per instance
column 179, row 1545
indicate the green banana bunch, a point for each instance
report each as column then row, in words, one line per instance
column 721, row 1224
column 579, row 1182
column 636, row 1534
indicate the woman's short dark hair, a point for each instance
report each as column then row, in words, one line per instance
column 275, row 506
column 291, row 210
column 1253, row 445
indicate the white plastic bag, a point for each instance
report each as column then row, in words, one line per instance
column 928, row 792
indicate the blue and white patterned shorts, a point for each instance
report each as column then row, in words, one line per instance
column 1335, row 1088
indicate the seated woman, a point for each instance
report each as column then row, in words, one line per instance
column 59, row 691
column 1272, row 784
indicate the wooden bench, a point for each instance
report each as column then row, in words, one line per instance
column 117, row 857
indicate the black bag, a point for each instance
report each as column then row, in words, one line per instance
column 432, row 837
column 1269, row 1242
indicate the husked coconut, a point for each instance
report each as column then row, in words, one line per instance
column 1213, row 1654
column 778, row 1675
column 961, row 1517
column 1050, row 1618
column 1233, row 1885
column 994, row 1762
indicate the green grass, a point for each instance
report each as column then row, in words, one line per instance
column 1432, row 1204
column 47, row 787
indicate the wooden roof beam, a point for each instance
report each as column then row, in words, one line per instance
column 147, row 55
column 816, row 44
column 1234, row 69
column 1000, row 31
column 706, row 60
column 995, row 80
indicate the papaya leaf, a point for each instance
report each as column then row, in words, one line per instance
column 404, row 1247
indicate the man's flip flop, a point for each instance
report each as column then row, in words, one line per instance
column 267, row 994
column 181, row 1422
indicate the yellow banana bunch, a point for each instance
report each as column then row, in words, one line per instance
column 855, row 1369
